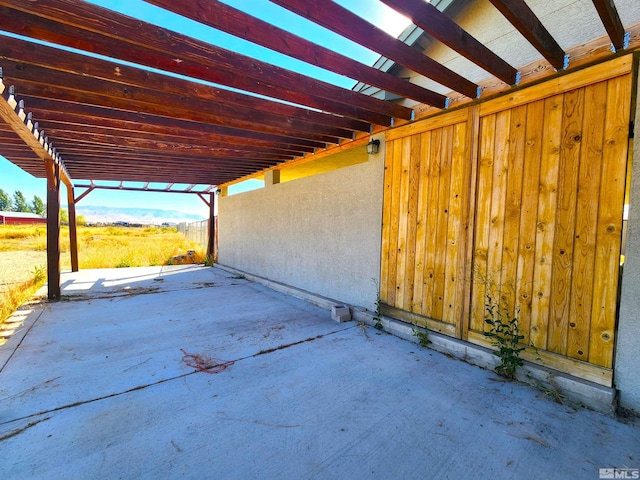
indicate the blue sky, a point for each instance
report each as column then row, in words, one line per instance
column 13, row 178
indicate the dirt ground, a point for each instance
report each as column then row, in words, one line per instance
column 18, row 266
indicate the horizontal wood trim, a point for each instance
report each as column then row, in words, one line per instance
column 437, row 121
column 582, row 78
column 586, row 371
column 415, row 319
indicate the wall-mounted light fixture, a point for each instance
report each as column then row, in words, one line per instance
column 373, row 146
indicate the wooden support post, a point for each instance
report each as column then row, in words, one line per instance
column 73, row 229
column 211, row 244
column 53, row 229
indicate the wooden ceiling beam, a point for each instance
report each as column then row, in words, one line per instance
column 342, row 21
column 611, row 21
column 30, row 89
column 58, row 64
column 194, row 137
column 118, row 95
column 98, row 30
column 527, row 23
column 65, row 133
column 438, row 25
column 105, row 115
column 235, row 22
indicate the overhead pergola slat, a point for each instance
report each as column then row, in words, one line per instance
column 611, row 21
column 148, row 122
column 235, row 22
column 438, row 25
column 525, row 21
column 340, row 20
column 98, row 30
column 64, row 69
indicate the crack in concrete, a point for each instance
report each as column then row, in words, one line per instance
column 160, row 382
column 20, row 430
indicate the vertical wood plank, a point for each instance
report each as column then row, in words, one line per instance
column 513, row 209
column 606, row 272
column 403, row 221
column 444, row 183
column 546, row 221
column 498, row 202
column 432, row 223
column 394, row 220
column 386, row 223
column 482, row 221
column 529, row 214
column 584, row 246
column 559, row 315
column 412, row 219
column 467, row 253
column 421, row 227
column 455, row 225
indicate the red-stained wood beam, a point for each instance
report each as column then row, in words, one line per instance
column 176, row 109
column 65, row 121
column 73, row 230
column 53, row 230
column 98, row 30
column 24, row 56
column 26, row 74
column 444, row 29
column 96, row 114
column 611, row 21
column 525, row 21
column 342, row 21
column 235, row 22
column 138, row 189
column 68, row 133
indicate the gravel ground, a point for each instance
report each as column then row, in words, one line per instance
column 17, row 267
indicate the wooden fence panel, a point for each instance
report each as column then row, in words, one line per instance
column 538, row 232
column 567, row 232
column 427, row 276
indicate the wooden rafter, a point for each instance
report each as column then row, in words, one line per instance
column 73, row 112
column 99, row 30
column 340, row 20
column 27, row 61
column 438, row 25
column 525, row 21
column 235, row 22
column 611, row 21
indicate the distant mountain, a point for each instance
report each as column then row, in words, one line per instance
column 146, row 216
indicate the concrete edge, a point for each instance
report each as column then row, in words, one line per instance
column 18, row 326
column 558, row 386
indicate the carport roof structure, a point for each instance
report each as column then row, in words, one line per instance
column 166, row 107
column 92, row 94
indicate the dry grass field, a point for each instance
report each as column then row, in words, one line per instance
column 23, row 255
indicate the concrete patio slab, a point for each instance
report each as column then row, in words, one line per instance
column 98, row 386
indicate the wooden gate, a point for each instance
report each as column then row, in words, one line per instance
column 517, row 201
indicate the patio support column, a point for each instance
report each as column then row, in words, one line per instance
column 211, row 244
column 73, row 229
column 53, row 229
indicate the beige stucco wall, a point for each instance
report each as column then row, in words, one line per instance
column 320, row 233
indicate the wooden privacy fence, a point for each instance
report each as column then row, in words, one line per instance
column 517, row 201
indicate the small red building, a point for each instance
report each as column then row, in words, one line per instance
column 20, row 218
